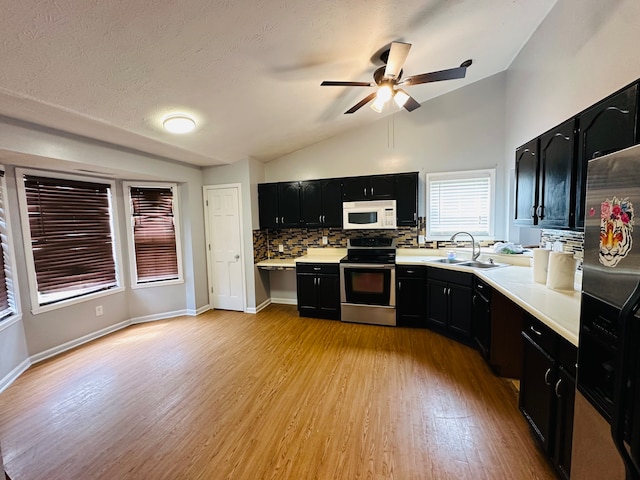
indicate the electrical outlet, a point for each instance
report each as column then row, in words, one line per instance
column 421, row 239
column 281, row 248
column 99, row 310
column 325, row 240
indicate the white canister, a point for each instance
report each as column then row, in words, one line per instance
column 562, row 271
column 540, row 264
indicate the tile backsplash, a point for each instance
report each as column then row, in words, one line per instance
column 571, row 241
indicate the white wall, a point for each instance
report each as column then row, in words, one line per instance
column 461, row 130
column 582, row 52
column 36, row 335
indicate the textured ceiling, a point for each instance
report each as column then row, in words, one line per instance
column 249, row 71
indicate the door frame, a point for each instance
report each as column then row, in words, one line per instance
column 207, row 230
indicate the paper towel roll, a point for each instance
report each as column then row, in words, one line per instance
column 562, row 271
column 540, row 264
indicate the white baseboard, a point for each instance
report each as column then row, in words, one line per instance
column 38, row 357
column 260, row 307
column 201, row 310
column 285, row 301
column 14, row 374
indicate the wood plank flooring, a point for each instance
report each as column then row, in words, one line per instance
column 228, row 395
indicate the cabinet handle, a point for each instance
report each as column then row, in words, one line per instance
column 364, row 190
column 282, row 221
column 444, row 291
column 540, row 212
column 533, row 211
column 558, row 388
column 415, row 216
column 399, row 286
column 276, row 219
column 474, row 300
column 372, row 191
column 317, row 269
column 324, row 218
column 535, row 331
column 319, row 278
column 320, row 218
column 411, row 271
column 546, row 376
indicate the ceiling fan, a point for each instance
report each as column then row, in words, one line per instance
column 388, row 79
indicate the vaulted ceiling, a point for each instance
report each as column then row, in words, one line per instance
column 248, row 71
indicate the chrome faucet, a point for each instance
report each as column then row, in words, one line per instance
column 474, row 255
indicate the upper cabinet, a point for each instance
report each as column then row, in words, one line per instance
column 376, row 187
column 406, row 188
column 606, row 127
column 527, row 183
column 321, row 203
column 551, row 170
column 279, row 204
column 557, row 177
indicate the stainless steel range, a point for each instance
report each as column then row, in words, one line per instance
column 368, row 281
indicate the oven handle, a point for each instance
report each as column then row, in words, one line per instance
column 368, row 265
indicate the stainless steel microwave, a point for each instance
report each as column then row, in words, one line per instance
column 371, row 214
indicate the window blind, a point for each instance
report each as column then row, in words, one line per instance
column 71, row 237
column 7, row 302
column 460, row 204
column 154, row 233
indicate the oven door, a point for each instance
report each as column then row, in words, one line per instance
column 361, row 218
column 368, row 284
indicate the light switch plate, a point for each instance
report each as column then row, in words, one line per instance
column 281, row 248
column 325, row 240
column 421, row 239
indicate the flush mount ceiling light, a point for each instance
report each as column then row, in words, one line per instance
column 179, row 123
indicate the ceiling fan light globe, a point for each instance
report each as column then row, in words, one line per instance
column 400, row 98
column 378, row 105
column 384, row 93
column 179, row 123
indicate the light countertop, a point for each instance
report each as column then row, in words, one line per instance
column 323, row 255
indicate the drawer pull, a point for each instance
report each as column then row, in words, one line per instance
column 558, row 388
column 317, row 269
column 546, row 377
column 535, row 331
column 411, row 271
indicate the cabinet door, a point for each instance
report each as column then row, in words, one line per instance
column 381, row 187
column 311, row 203
column 565, row 397
column 536, row 391
column 605, row 128
column 411, row 302
column 557, row 159
column 438, row 302
column 355, row 188
column 526, row 183
column 331, row 202
column 406, row 188
column 329, row 296
column 289, row 204
column 460, row 310
column 268, row 205
column 307, row 293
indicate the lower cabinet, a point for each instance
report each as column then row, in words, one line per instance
column 411, row 296
column 547, row 390
column 449, row 302
column 318, row 289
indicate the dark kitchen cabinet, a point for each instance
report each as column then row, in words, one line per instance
column 608, row 126
column 411, row 296
column 507, row 320
column 527, row 165
column 481, row 318
column 449, row 302
column 406, row 194
column 318, row 290
column 547, row 391
column 376, row 187
column 556, row 195
column 279, row 205
column 321, row 203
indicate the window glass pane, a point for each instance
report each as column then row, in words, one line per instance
column 460, row 202
column 154, row 234
column 7, row 299
column 71, row 237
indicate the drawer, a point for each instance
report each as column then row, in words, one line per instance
column 318, row 268
column 409, row 271
column 450, row 276
column 541, row 334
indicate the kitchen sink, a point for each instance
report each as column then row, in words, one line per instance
column 475, row 264
column 450, row 261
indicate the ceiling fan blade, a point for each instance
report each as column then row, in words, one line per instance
column 411, row 104
column 397, row 56
column 361, row 103
column 329, row 83
column 449, row 74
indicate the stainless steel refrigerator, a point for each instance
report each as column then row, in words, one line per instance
column 606, row 437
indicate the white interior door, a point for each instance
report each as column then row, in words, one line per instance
column 225, row 248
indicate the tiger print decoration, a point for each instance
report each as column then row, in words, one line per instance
column 616, row 225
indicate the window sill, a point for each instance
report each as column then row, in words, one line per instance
column 161, row 283
column 74, row 301
column 7, row 322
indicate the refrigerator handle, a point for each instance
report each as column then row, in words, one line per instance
column 623, row 372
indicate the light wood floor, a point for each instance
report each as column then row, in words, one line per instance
column 266, row 396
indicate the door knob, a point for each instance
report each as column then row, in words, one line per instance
column 237, row 257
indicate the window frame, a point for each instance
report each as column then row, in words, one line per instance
column 460, row 175
column 36, row 307
column 133, row 269
column 11, row 279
